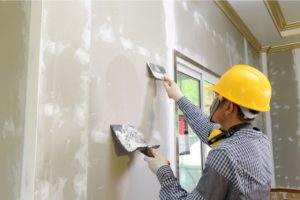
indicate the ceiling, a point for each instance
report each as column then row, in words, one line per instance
column 269, row 26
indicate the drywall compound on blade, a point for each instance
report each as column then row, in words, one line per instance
column 157, row 71
column 131, row 139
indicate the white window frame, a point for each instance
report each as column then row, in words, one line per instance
column 195, row 70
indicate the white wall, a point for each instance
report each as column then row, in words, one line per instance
column 92, row 73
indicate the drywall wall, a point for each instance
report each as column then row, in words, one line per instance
column 204, row 33
column 284, row 76
column 93, row 74
column 13, row 67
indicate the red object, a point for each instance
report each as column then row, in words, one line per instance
column 183, row 126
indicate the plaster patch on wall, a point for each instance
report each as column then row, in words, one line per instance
column 170, row 28
column 8, row 128
column 80, row 114
column 273, row 72
column 99, row 136
column 82, row 56
column 57, row 188
column 53, row 190
column 80, row 179
column 276, row 125
column 199, row 18
column 86, row 37
column 126, row 43
column 81, row 156
column 51, row 110
column 231, row 49
column 276, row 106
column 286, row 107
column 56, row 112
column 196, row 17
column 106, row 34
column 143, row 51
column 67, row 145
column 220, row 38
column 184, row 5
column 85, row 80
column 274, row 113
column 16, row 176
column 195, row 57
column 157, row 58
column 43, row 190
column 54, row 47
column 282, row 72
column 79, row 186
column 121, row 29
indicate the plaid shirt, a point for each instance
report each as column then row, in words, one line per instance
column 239, row 167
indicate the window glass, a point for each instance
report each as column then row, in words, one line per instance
column 190, row 165
column 208, row 100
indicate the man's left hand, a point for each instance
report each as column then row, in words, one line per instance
column 157, row 162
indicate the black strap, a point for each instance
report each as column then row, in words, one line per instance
column 231, row 131
column 237, row 127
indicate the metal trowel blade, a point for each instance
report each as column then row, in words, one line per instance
column 131, row 139
column 157, row 71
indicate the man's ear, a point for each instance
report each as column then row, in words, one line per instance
column 229, row 107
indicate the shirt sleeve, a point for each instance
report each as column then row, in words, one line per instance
column 196, row 118
column 171, row 189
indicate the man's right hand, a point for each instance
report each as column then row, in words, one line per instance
column 172, row 89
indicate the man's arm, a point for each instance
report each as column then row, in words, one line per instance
column 171, row 189
column 196, row 118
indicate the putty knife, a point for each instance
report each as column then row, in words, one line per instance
column 157, row 71
column 131, row 139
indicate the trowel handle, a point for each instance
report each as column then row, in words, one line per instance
column 148, row 150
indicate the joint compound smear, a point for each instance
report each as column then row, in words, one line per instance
column 130, row 137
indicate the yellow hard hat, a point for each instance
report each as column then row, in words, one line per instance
column 245, row 86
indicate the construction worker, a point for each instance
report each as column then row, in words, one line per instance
column 239, row 165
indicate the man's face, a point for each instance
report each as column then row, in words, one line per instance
column 215, row 107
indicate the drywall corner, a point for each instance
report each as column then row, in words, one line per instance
column 30, row 133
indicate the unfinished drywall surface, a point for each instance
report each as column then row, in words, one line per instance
column 284, row 76
column 206, row 35
column 252, row 58
column 124, row 36
column 13, row 46
column 62, row 143
column 93, row 73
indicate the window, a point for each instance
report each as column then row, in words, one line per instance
column 193, row 80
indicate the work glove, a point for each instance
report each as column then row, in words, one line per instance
column 156, row 162
column 172, row 89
